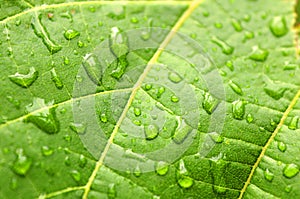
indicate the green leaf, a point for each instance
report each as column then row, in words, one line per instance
column 149, row 99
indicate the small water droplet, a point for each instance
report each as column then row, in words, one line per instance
column 80, row 44
column 134, row 20
column 117, row 12
column 226, row 48
column 238, row 109
column 174, row 77
column 137, row 171
column 47, row 151
column 288, row 188
column 15, row 102
column 237, row 25
column 24, row 80
column 13, row 183
column 229, row 64
column 137, row 111
column 216, row 137
column 268, row 175
column 103, row 118
column 137, row 122
column 148, row 87
column 209, row 103
column 82, row 161
column 160, row 91
column 278, row 26
column 18, row 22
column 281, row 146
column 218, row 25
column 249, row 35
column 174, row 98
column 258, row 54
column 68, row 138
column 71, row 34
column 78, row 128
column 76, row 175
column 22, row 164
column 111, row 191
column 151, row 131
column 92, row 9
column 161, row 168
column 66, row 61
column 249, row 118
column 182, row 132
column 67, row 161
column 290, row 170
column 294, row 123
column 235, row 87
column 183, row 179
column 56, row 79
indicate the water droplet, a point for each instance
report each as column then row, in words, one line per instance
column 209, row 103
column 273, row 89
column 67, row 15
column 235, row 87
column 137, row 171
column 15, row 102
column 229, row 64
column 205, row 13
column 117, row 12
column 278, row 26
column 41, row 32
column 183, row 179
column 46, row 118
column 238, row 109
column 103, row 118
column 288, row 188
column 281, row 146
column 268, row 175
column 56, row 79
column 13, row 183
column 82, row 161
column 66, row 61
column 249, row 35
column 216, row 137
column 290, row 170
column 237, row 25
column 78, row 78
column 92, row 9
column 148, row 87
column 76, row 175
column 174, row 98
column 218, row 25
column 258, row 54
column 134, row 20
column 151, row 131
column 111, row 192
column 219, row 190
column 80, row 44
column 160, row 91
column 47, row 151
column 174, row 77
column 24, row 80
column 249, row 118
column 118, row 42
column 182, row 132
column 92, row 68
column 161, row 168
column 226, row 48
column 294, row 123
column 22, row 164
column 79, row 128
column 137, row 111
column 67, row 161
column 137, row 122
column 71, row 34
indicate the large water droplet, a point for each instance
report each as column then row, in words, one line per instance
column 45, row 119
column 174, row 77
column 118, row 42
column 79, row 128
column 182, row 132
column 237, row 25
column 209, row 103
column 290, row 170
column 226, row 48
column 288, row 188
column 238, row 109
column 281, row 146
column 47, row 151
column 151, row 131
column 294, row 123
column 235, row 87
column 268, row 175
column 183, row 179
column 56, row 79
column 71, row 34
column 161, row 168
column 22, row 164
column 76, row 175
column 24, row 80
column 258, row 54
column 278, row 26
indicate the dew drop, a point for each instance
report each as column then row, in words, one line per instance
column 22, row 164
column 79, row 128
column 82, row 161
column 161, row 168
column 174, row 77
column 218, row 25
column 67, row 161
column 235, row 87
column 66, row 61
column 219, row 190
column 56, row 79
column 15, row 102
column 237, row 25
column 273, row 89
column 151, row 131
column 117, row 12
column 92, row 68
column 238, row 109
column 216, row 137
column 134, row 20
column 137, row 111
column 118, row 42
column 278, row 26
column 288, row 188
column 258, row 54
column 249, row 118
column 67, row 15
column 111, row 191
column 209, row 103
column 281, row 146
column 290, row 170
column 226, row 48
column 182, row 132
column 174, row 99
column 148, row 87
column 294, row 123
column 268, row 175
column 103, row 118
column 71, row 34
column 249, row 35
column 137, row 171
column 137, row 122
column 183, row 179
column 13, row 183
column 229, row 64
column 160, row 91
column 68, row 138
column 24, row 80
column 76, row 175
column 47, row 151
column 80, row 44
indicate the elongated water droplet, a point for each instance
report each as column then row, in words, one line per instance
column 278, row 26
column 25, row 80
column 13, row 183
column 160, row 91
column 249, row 118
column 146, row 33
column 103, row 118
column 117, row 12
column 174, row 77
column 294, row 123
column 209, row 103
column 218, row 25
column 56, row 79
column 118, row 42
column 41, row 32
column 67, row 161
column 76, row 175
column 290, row 170
column 258, row 54
column 182, row 132
column 137, row 171
column 82, row 161
column 67, row 15
column 281, row 146
column 237, row 25
column 22, row 164
column 268, row 175
column 111, row 192
column 46, row 118
column 79, row 128
column 235, row 87
column 162, row 168
column 47, row 151
column 92, row 68
column 71, row 34
column 137, row 111
column 238, row 109
column 151, row 131
column 229, row 64
column 226, row 48
column 183, row 179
